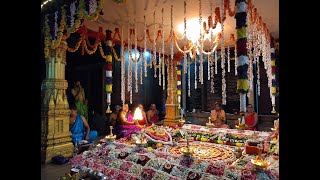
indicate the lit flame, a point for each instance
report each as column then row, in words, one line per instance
column 193, row 29
column 137, row 114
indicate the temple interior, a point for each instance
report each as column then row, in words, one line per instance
column 159, row 89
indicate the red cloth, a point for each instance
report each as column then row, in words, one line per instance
column 249, row 120
column 154, row 118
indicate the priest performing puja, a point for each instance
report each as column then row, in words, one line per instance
column 172, row 89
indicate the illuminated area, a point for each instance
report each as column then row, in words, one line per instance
column 137, row 114
column 193, row 29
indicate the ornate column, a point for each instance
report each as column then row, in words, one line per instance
column 55, row 113
column 172, row 104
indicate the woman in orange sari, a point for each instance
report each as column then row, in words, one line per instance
column 251, row 118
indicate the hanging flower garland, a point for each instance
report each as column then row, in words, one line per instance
column 242, row 82
column 178, row 68
column 274, row 85
column 108, row 69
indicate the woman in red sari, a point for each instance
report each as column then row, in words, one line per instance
column 251, row 118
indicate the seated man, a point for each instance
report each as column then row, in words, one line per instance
column 113, row 117
column 251, row 118
column 79, row 128
column 217, row 113
column 125, row 125
column 153, row 115
column 220, row 124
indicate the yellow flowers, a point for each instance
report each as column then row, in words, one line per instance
column 239, row 144
column 203, row 139
column 220, row 141
column 109, row 58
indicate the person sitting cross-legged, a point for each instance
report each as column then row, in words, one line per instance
column 80, row 128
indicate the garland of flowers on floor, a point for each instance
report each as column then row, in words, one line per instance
column 120, row 161
column 108, row 69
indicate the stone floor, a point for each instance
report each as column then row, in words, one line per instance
column 52, row 171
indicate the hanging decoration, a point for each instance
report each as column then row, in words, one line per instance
column 123, row 71
column 144, row 63
column 154, row 57
column 274, row 85
column 212, row 75
column 179, row 67
column 163, row 60
column 195, row 72
column 129, row 84
column 160, row 64
column 108, row 70
column 185, row 62
column 201, row 43
column 189, row 81
column 135, row 56
column 242, row 82
column 216, row 62
column 222, row 54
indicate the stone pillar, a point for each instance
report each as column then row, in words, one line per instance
column 172, row 110
column 55, row 113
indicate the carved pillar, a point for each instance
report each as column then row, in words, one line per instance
column 172, row 110
column 55, row 113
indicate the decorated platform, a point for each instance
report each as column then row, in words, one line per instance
column 123, row 159
column 232, row 137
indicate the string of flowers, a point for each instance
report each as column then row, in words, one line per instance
column 249, row 53
column 195, row 72
column 222, row 54
column 135, row 56
column 242, row 82
column 189, row 81
column 216, row 62
column 108, row 69
column 123, row 70
column 145, row 46
column 274, row 84
column 179, row 67
column 201, row 43
column 258, row 76
column 154, row 57
column 141, row 67
column 163, row 60
column 160, row 64
column 228, row 56
column 212, row 75
column 185, row 38
column 129, row 62
column 209, row 64
column 163, row 73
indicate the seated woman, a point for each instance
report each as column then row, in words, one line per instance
column 218, row 113
column 220, row 124
column 251, row 118
column 79, row 127
column 125, row 124
column 153, row 115
column 144, row 121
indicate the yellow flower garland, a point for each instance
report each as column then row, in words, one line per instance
column 76, row 47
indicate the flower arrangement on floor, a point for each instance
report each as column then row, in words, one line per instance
column 119, row 161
